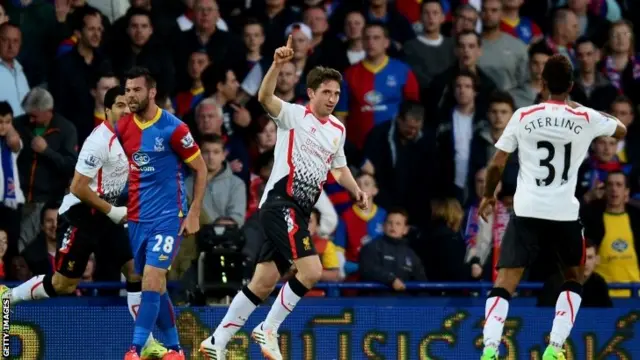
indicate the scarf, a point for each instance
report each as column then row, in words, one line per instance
column 8, row 177
column 471, row 228
column 500, row 220
column 556, row 50
column 615, row 76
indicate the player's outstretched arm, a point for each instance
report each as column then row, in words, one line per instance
column 271, row 103
column 621, row 130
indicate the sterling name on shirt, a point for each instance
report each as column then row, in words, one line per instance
column 552, row 122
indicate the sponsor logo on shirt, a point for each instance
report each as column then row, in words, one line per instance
column 91, row 161
column 187, row 141
column 141, row 161
column 619, row 245
column 375, row 102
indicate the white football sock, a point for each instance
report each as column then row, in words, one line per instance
column 31, row 289
column 133, row 303
column 239, row 311
column 495, row 314
column 567, row 307
column 281, row 308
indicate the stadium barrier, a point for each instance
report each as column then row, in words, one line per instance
column 353, row 328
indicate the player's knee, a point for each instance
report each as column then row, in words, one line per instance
column 264, row 280
column 154, row 279
column 309, row 272
column 63, row 285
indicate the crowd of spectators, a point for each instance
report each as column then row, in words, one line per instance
column 428, row 88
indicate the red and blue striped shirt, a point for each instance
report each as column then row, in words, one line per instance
column 156, row 151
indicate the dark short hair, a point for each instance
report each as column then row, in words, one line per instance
column 588, row 243
column 111, row 95
column 469, row 74
column 134, row 11
column 264, row 160
column 5, row 108
column 212, row 139
column 378, row 24
column 558, row 74
column 77, row 19
column 411, row 108
column 397, row 211
column 501, row 97
column 540, row 47
column 49, row 205
column 319, row 74
column 139, row 71
column 253, row 21
column 620, row 172
column 104, row 73
column 623, row 99
column 584, row 40
column 469, row 32
column 425, row 2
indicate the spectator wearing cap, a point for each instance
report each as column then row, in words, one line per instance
column 430, row 53
column 400, row 30
column 12, row 75
column 373, row 89
column 74, row 72
column 504, row 58
column 47, row 160
column 186, row 100
column 143, row 48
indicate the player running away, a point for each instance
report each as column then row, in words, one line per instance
column 310, row 142
column 552, row 139
column 157, row 146
column 90, row 220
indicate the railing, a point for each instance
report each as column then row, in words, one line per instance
column 332, row 288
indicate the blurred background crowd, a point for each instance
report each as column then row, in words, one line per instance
column 429, row 86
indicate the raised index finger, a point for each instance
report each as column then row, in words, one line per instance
column 290, row 42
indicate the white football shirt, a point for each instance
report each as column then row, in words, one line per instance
column 306, row 149
column 103, row 160
column 552, row 141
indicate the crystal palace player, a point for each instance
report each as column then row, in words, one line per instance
column 552, row 139
column 156, row 144
column 310, row 143
column 90, row 221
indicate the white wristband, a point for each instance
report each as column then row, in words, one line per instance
column 117, row 213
